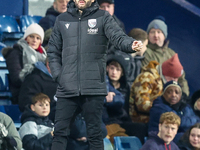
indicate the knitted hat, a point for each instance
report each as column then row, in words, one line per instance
column 34, row 28
column 158, row 24
column 169, row 84
column 172, row 67
column 105, row 1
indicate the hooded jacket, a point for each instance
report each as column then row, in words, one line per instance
column 156, row 143
column 114, row 112
column 35, row 131
column 49, row 19
column 77, row 50
column 145, row 89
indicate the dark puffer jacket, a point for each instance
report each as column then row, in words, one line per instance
column 49, row 19
column 77, row 50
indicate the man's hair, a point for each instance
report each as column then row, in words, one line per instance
column 116, row 64
column 138, row 34
column 40, row 97
column 170, row 118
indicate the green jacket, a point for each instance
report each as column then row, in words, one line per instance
column 10, row 127
column 161, row 54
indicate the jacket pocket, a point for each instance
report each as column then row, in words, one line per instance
column 101, row 71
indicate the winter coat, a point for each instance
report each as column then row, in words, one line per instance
column 183, row 110
column 114, row 111
column 145, row 89
column 49, row 19
column 12, row 136
column 77, row 50
column 161, row 54
column 35, row 131
column 156, row 143
column 19, row 60
column 39, row 81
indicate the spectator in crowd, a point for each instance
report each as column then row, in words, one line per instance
column 116, row 118
column 59, row 6
column 20, row 59
column 77, row 59
column 172, row 100
column 195, row 102
column 136, row 58
column 168, row 126
column 36, row 130
column 38, row 81
column 149, row 85
column 190, row 139
column 9, row 136
column 109, row 5
column 157, row 48
column 47, row 22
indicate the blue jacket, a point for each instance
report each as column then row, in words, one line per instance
column 114, row 111
column 184, row 111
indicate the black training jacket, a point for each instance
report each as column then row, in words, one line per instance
column 78, row 47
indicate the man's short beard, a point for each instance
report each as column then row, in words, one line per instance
column 88, row 4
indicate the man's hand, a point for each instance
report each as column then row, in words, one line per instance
column 109, row 97
column 137, row 45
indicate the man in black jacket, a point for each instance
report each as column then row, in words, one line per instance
column 77, row 59
column 59, row 6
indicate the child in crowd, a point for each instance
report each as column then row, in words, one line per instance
column 115, row 116
column 191, row 138
column 36, row 131
column 163, row 140
column 9, row 137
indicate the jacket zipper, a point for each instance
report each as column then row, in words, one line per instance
column 79, row 57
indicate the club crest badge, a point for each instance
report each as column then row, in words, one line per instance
column 67, row 25
column 92, row 23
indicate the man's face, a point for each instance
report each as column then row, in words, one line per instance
column 194, row 137
column 82, row 4
column 171, row 79
column 172, row 95
column 107, row 7
column 42, row 109
column 167, row 132
column 114, row 72
column 198, row 103
column 60, row 5
column 156, row 36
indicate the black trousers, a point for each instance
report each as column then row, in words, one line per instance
column 66, row 111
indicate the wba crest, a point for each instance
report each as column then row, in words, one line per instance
column 92, row 23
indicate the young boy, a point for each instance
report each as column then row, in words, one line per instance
column 163, row 140
column 36, row 131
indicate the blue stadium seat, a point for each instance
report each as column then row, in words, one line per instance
column 107, row 144
column 127, row 143
column 26, row 20
column 9, row 30
column 14, row 112
column 2, row 109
